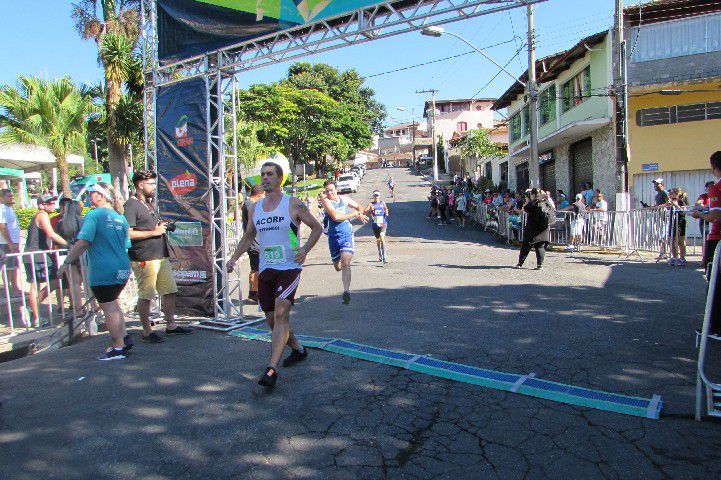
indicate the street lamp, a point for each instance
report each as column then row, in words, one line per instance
column 436, row 31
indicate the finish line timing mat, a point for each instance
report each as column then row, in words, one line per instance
column 510, row 382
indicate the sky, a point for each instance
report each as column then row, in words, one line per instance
column 42, row 41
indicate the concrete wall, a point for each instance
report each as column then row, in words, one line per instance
column 592, row 108
column 678, row 146
column 604, row 163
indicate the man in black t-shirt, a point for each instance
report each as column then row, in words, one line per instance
column 149, row 257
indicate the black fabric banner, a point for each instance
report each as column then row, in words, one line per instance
column 187, row 28
column 183, row 191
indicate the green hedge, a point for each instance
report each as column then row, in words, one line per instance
column 25, row 215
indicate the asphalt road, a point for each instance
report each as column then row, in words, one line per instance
column 190, row 408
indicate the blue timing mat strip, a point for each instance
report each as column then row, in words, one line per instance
column 511, row 382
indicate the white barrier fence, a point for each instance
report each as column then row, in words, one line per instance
column 33, row 298
column 648, row 230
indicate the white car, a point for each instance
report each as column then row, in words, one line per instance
column 347, row 183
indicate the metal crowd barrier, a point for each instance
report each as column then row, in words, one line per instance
column 647, row 230
column 41, row 305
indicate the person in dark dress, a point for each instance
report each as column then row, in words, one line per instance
column 537, row 231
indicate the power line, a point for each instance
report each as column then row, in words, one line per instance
column 500, row 71
column 430, row 62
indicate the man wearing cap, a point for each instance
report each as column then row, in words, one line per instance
column 149, row 257
column 661, row 197
column 378, row 210
column 41, row 268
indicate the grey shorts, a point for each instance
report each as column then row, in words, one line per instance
column 12, row 262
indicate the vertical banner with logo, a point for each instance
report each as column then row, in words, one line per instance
column 183, row 191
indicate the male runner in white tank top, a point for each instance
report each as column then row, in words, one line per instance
column 276, row 221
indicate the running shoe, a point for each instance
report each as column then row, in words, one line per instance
column 346, row 298
column 113, row 354
column 539, row 267
column 152, row 338
column 269, row 377
column 178, row 331
column 519, row 266
column 672, row 262
column 295, row 357
column 711, row 335
column 128, row 341
column 681, row 262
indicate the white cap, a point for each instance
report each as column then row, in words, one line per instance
column 658, row 180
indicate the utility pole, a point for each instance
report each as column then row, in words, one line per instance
column 620, row 87
column 434, row 147
column 533, row 167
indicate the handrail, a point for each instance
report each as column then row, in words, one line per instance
column 701, row 378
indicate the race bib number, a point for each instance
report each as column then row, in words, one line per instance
column 379, row 220
column 274, row 255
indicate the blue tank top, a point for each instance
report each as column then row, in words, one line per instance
column 379, row 214
column 333, row 227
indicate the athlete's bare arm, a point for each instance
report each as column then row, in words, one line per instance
column 335, row 215
column 245, row 242
column 360, row 215
column 300, row 214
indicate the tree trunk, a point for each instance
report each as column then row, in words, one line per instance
column 62, row 163
column 116, row 149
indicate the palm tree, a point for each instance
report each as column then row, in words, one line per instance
column 49, row 113
column 115, row 28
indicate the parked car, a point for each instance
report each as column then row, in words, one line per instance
column 348, row 183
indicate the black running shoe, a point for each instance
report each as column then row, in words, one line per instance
column 128, row 341
column 269, row 377
column 179, row 331
column 295, row 357
column 152, row 338
column 113, row 354
column 346, row 298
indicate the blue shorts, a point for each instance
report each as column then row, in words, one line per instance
column 340, row 242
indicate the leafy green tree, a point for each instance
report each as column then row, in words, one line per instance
column 304, row 125
column 477, row 144
column 49, row 113
column 346, row 87
column 114, row 25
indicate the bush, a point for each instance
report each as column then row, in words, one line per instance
column 25, row 216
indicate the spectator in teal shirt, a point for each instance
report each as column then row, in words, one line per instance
column 104, row 235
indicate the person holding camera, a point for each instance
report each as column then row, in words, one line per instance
column 149, row 257
column 540, row 214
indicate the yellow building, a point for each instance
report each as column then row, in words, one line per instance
column 675, row 95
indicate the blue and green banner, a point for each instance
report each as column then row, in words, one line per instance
column 188, row 28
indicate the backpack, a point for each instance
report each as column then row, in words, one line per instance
column 548, row 213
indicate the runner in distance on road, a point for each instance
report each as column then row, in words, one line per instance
column 378, row 210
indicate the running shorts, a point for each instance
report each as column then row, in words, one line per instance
column 378, row 230
column 107, row 293
column 340, row 242
column 152, row 276
column 274, row 284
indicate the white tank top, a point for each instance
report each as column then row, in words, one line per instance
column 277, row 236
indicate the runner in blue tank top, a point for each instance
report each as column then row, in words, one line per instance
column 378, row 211
column 339, row 211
